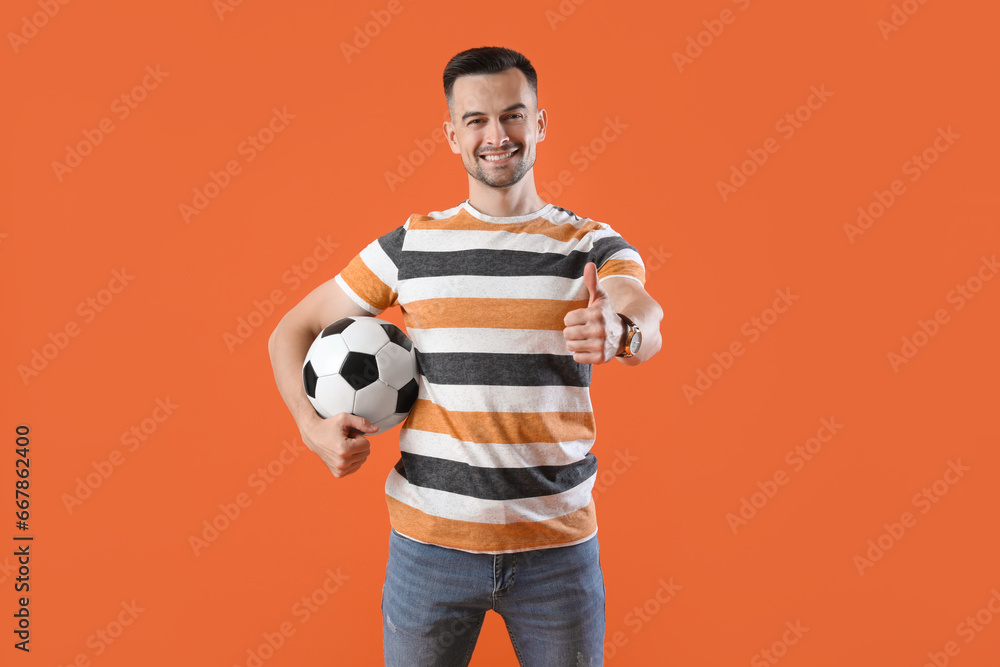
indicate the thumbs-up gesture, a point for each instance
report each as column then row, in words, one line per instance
column 594, row 333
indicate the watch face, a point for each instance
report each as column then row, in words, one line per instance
column 635, row 342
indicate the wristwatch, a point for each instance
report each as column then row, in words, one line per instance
column 631, row 338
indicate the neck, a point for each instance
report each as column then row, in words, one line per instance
column 519, row 199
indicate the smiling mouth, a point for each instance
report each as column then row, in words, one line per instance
column 498, row 157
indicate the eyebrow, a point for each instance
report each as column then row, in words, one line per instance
column 470, row 114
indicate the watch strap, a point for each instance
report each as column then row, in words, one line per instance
column 627, row 335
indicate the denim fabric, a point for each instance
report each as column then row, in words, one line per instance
column 435, row 599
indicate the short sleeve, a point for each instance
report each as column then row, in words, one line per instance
column 615, row 257
column 370, row 279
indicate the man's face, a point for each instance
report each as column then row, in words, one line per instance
column 496, row 126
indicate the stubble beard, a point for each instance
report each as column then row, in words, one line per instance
column 503, row 179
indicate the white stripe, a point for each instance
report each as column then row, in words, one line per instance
column 492, row 287
column 510, row 551
column 440, row 215
column 465, row 508
column 450, row 240
column 560, row 217
column 492, row 455
column 379, row 263
column 621, row 275
column 627, row 253
column 605, row 232
column 501, row 398
column 501, row 341
column 354, row 297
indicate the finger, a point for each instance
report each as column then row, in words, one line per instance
column 343, row 463
column 578, row 332
column 584, row 345
column 575, row 317
column 593, row 286
column 359, row 423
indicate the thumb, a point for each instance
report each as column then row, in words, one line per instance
column 359, row 423
column 593, row 287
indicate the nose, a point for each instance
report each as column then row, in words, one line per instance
column 496, row 134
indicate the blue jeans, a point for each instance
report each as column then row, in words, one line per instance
column 435, row 599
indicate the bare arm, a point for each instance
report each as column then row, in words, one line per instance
column 631, row 300
column 594, row 334
column 342, row 449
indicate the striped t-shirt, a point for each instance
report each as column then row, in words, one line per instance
column 495, row 454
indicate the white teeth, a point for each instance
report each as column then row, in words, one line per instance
column 494, row 158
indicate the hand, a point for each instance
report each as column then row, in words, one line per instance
column 594, row 333
column 339, row 441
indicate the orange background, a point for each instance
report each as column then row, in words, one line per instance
column 712, row 264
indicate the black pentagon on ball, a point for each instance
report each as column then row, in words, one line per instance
column 406, row 397
column 309, row 379
column 397, row 336
column 359, row 369
column 337, row 327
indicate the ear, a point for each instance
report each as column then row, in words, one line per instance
column 543, row 123
column 449, row 134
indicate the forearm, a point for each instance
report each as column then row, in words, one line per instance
column 288, row 346
column 647, row 315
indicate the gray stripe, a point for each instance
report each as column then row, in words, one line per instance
column 494, row 483
column 494, row 368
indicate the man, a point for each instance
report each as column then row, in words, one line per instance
column 509, row 301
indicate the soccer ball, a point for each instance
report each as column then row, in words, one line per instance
column 365, row 366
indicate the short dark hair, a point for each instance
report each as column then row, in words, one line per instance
column 487, row 60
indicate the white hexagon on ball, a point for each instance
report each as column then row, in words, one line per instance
column 327, row 354
column 364, row 335
column 396, row 366
column 333, row 396
column 376, row 401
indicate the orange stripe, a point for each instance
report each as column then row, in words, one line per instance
column 622, row 267
column 367, row 285
column 474, row 536
column 464, row 221
column 486, row 313
column 502, row 427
